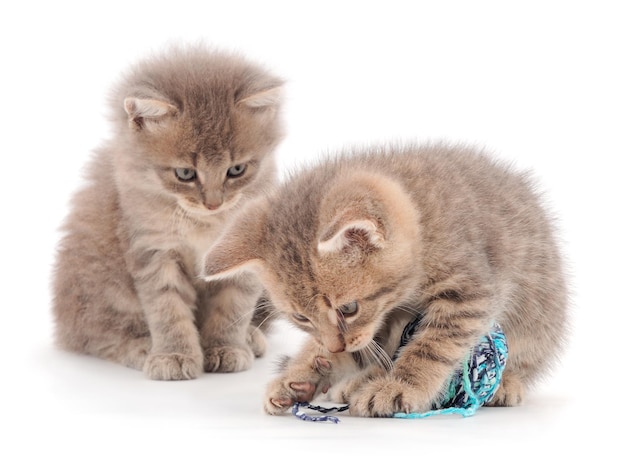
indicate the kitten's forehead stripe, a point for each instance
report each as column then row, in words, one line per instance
column 292, row 260
column 381, row 292
column 389, row 288
column 293, row 266
column 290, row 254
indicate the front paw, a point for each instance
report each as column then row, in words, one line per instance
column 172, row 366
column 510, row 392
column 342, row 391
column 297, row 385
column 384, row 396
column 228, row 358
column 281, row 395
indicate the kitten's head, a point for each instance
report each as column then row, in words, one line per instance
column 335, row 252
column 199, row 127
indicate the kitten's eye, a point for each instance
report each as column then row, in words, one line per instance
column 184, row 174
column 300, row 318
column 349, row 309
column 236, row 171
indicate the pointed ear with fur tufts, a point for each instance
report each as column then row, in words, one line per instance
column 237, row 251
column 147, row 113
column 230, row 256
column 345, row 235
column 269, row 98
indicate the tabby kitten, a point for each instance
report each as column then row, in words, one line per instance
column 193, row 141
column 355, row 248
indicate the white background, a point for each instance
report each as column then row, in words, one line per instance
column 539, row 83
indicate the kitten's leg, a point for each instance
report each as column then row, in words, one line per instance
column 131, row 352
column 305, row 376
column 510, row 392
column 454, row 320
column 256, row 340
column 342, row 390
column 530, row 349
column 119, row 343
column 119, row 335
column 168, row 299
column 97, row 310
column 229, row 340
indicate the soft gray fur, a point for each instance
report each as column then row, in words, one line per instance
column 194, row 132
column 352, row 248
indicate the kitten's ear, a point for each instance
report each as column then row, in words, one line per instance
column 344, row 235
column 270, row 97
column 238, row 249
column 147, row 113
column 230, row 257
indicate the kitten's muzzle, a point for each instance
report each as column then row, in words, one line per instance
column 212, row 206
column 335, row 344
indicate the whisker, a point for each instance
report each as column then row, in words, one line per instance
column 308, row 304
column 413, row 311
column 372, row 357
column 273, row 312
column 341, row 322
column 379, row 355
column 240, row 318
column 387, row 359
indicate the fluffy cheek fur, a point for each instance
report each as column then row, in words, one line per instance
column 126, row 286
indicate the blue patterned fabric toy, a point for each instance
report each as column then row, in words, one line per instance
column 469, row 388
column 476, row 382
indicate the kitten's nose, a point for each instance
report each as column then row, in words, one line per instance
column 212, row 199
column 336, row 344
column 213, row 206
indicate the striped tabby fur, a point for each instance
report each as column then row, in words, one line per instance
column 352, row 248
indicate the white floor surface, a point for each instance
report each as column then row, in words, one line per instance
column 541, row 83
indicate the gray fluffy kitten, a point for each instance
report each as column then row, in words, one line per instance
column 194, row 136
column 353, row 248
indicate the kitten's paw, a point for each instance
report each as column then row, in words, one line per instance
column 256, row 341
column 172, row 366
column 383, row 397
column 281, row 395
column 227, row 359
column 342, row 391
column 134, row 352
column 297, row 385
column 509, row 393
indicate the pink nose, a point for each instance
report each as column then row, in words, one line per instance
column 336, row 345
column 213, row 206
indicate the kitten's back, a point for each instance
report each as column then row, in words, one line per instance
column 469, row 206
column 356, row 246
